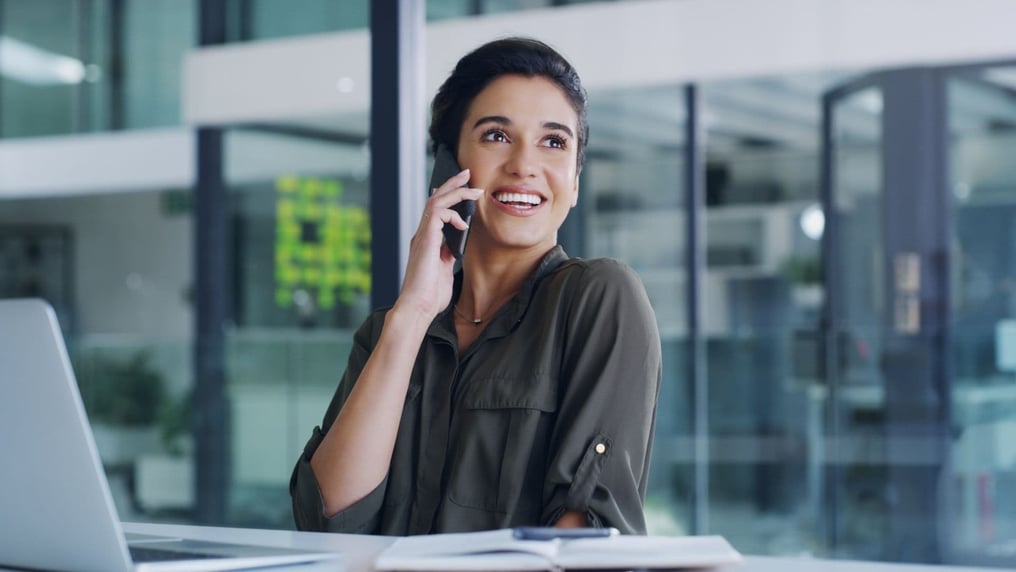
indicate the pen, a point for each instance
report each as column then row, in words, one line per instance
column 550, row 533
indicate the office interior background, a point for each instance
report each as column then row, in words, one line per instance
column 818, row 194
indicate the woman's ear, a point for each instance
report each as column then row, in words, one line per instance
column 575, row 192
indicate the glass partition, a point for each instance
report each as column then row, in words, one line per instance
column 53, row 58
column 856, row 464
column 147, row 70
column 763, row 295
column 117, row 269
column 301, row 275
column 73, row 66
column 268, row 19
column 982, row 128
column 631, row 207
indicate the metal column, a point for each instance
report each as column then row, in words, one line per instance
column 694, row 185
column 397, row 142
column 212, row 305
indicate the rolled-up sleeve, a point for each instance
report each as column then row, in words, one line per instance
column 610, row 379
column 362, row 516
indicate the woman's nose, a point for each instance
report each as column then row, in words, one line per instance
column 523, row 162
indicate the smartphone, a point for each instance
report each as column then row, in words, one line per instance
column 445, row 167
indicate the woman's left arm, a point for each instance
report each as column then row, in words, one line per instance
column 610, row 375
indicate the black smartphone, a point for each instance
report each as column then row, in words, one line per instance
column 445, row 167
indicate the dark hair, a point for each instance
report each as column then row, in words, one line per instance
column 477, row 69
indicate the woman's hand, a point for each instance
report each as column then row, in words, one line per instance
column 427, row 287
column 356, row 452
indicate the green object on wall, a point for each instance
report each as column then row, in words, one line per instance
column 321, row 245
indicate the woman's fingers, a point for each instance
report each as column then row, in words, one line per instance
column 448, row 198
column 428, row 278
column 438, row 211
column 437, row 218
column 459, row 180
column 454, row 190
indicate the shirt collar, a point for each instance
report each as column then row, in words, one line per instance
column 443, row 325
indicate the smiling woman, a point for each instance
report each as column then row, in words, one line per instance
column 519, row 144
column 519, row 390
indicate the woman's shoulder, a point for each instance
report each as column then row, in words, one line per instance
column 601, row 287
column 585, row 272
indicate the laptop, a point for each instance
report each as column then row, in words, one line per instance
column 56, row 510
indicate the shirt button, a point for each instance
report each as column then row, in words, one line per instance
column 600, row 448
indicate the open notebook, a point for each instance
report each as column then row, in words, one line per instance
column 501, row 550
column 56, row 510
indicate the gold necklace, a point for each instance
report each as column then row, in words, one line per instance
column 478, row 321
column 474, row 321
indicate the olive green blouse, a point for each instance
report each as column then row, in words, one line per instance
column 552, row 408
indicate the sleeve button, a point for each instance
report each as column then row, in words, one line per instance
column 600, row 448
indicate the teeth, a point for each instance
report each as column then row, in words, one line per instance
column 518, row 198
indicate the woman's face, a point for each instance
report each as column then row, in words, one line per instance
column 519, row 142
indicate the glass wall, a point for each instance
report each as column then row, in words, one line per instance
column 631, row 207
column 82, row 66
column 148, row 68
column 301, row 275
column 117, row 269
column 763, row 297
column 46, row 88
column 267, row 19
column 855, row 399
column 982, row 127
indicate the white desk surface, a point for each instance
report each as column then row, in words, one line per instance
column 359, row 551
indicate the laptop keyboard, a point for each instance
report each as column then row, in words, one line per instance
column 149, row 554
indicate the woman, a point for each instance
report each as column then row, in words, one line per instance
column 520, row 390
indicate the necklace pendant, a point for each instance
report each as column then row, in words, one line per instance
column 476, row 321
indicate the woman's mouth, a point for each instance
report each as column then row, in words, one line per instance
column 519, row 201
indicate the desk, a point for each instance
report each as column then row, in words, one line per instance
column 359, row 550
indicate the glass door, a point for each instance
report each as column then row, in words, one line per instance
column 982, row 141
column 854, row 259
column 884, row 442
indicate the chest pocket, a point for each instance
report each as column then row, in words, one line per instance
column 501, row 441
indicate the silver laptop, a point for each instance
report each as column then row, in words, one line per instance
column 56, row 511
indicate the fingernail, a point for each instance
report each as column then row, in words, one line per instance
column 463, row 172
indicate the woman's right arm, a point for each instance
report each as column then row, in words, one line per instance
column 355, row 453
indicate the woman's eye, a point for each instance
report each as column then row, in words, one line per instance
column 556, row 142
column 495, row 135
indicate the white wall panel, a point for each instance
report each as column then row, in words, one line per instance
column 613, row 45
column 101, row 162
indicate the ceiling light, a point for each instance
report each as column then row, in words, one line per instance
column 813, row 222
column 26, row 63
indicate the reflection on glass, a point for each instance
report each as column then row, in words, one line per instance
column 117, row 269
column 301, row 288
column 856, row 455
column 41, row 47
column 631, row 208
column 763, row 294
column 268, row 19
column 59, row 73
column 157, row 34
column 982, row 127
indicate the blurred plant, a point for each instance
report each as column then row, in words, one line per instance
column 175, row 423
column 126, row 393
column 803, row 269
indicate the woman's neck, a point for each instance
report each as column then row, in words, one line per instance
column 488, row 282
